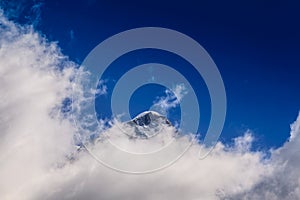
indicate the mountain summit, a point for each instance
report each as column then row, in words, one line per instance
column 148, row 124
column 150, row 118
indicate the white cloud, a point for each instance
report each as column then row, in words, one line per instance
column 34, row 136
column 295, row 129
column 284, row 182
column 171, row 100
column 101, row 88
column 26, row 10
column 38, row 159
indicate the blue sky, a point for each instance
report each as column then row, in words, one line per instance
column 255, row 45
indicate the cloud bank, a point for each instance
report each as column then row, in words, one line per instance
column 39, row 160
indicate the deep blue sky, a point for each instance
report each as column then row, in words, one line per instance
column 255, row 44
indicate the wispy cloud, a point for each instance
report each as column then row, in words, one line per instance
column 101, row 88
column 24, row 10
column 171, row 100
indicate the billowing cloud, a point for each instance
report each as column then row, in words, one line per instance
column 34, row 137
column 284, row 182
column 38, row 158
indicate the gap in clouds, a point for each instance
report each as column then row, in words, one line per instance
column 39, row 160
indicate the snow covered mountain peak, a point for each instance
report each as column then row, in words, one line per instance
column 148, row 124
column 150, row 118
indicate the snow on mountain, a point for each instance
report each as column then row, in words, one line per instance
column 148, row 124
